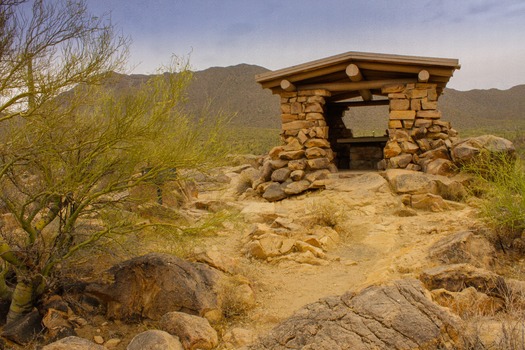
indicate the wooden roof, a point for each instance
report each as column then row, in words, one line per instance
column 354, row 74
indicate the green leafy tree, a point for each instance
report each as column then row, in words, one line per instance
column 71, row 149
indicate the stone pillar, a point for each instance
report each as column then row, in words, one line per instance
column 305, row 157
column 418, row 138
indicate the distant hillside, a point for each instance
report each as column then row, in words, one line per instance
column 233, row 90
column 484, row 108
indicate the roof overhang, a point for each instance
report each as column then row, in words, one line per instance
column 354, row 74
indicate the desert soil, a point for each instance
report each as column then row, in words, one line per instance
column 379, row 242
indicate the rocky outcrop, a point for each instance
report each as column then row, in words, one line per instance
column 426, row 191
column 467, row 150
column 151, row 285
column 464, row 247
column 396, row 316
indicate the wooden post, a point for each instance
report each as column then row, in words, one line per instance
column 355, row 75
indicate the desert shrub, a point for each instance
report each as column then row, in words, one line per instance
column 326, row 213
column 500, row 181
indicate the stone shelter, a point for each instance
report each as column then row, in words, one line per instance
column 315, row 95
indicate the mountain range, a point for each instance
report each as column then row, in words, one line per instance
column 233, row 90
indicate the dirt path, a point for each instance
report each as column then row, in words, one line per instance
column 379, row 243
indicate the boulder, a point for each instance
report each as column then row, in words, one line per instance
column 439, row 166
column 457, row 277
column 469, row 302
column 194, row 332
column 274, row 192
column 151, row 285
column 155, row 340
column 428, row 201
column 76, row 343
column 468, row 149
column 464, row 247
column 407, row 181
column 395, row 316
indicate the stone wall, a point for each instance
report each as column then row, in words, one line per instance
column 418, row 138
column 305, row 157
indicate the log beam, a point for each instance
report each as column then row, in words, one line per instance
column 355, row 86
column 355, row 75
column 287, row 86
column 423, row 76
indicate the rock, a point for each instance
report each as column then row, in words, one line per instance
column 400, row 161
column 407, row 181
column 238, row 337
column 297, row 187
column 409, row 147
column 297, row 175
column 440, row 166
column 318, row 163
column 112, row 343
column 266, row 171
column 155, row 340
column 464, row 247
column 270, row 245
column 214, row 258
column 299, row 164
column 25, row 329
column 57, row 324
column 194, row 332
column 315, row 152
column 451, row 188
column 468, row 303
column 468, row 149
column 391, row 149
column 457, row 277
column 316, row 142
column 274, row 192
column 317, row 175
column 366, row 183
column 76, row 343
column 428, row 201
column 292, row 155
column 281, row 175
column 278, row 163
column 153, row 284
column 396, row 316
column 98, row 339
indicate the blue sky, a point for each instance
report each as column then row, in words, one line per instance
column 487, row 36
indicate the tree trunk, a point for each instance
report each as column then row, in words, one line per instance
column 22, row 301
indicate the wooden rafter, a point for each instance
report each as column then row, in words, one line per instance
column 355, row 75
